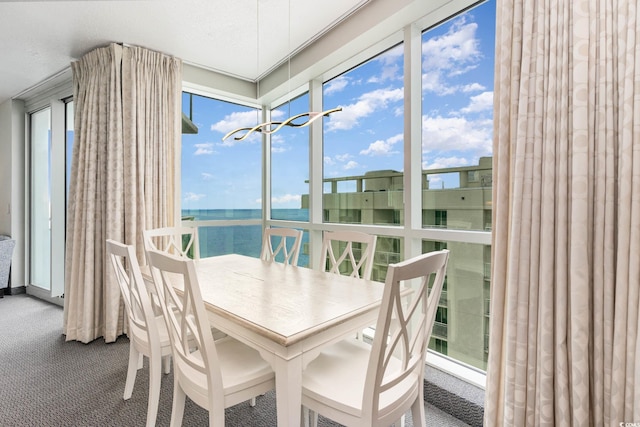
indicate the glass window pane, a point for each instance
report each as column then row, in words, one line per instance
column 363, row 144
column 457, row 120
column 40, row 191
column 221, row 180
column 236, row 239
column 389, row 250
column 69, row 135
column 462, row 320
column 216, row 174
column 290, row 164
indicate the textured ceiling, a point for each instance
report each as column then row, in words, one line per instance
column 39, row 39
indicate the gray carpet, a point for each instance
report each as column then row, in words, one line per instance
column 45, row 381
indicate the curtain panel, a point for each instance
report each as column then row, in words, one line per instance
column 564, row 338
column 127, row 131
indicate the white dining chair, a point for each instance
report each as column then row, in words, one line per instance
column 214, row 374
column 286, row 242
column 182, row 241
column 348, row 252
column 356, row 384
column 147, row 332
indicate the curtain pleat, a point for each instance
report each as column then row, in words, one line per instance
column 97, row 143
column 127, row 109
column 153, row 104
column 564, row 339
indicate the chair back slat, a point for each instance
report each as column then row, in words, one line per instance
column 404, row 327
column 134, row 293
column 187, row 323
column 340, row 254
column 180, row 241
column 287, row 243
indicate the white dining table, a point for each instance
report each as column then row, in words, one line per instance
column 287, row 313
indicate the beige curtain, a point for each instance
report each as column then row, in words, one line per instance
column 564, row 339
column 127, row 112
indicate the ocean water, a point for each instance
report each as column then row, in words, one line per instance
column 240, row 239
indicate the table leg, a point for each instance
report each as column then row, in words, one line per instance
column 289, row 391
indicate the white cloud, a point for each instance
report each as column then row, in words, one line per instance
column 203, row 149
column 278, row 149
column 454, row 53
column 336, row 85
column 287, row 198
column 192, row 197
column 206, row 176
column 383, row 148
column 351, row 165
column 390, row 72
column 458, row 46
column 366, row 105
column 278, row 144
column 390, row 68
column 236, row 120
column 473, row 87
column 343, row 157
column 481, row 102
column 457, row 134
column 328, row 161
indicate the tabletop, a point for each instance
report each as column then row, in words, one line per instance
column 281, row 302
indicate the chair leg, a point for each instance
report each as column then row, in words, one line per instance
column 313, row 418
column 309, row 417
column 252, row 402
column 155, row 375
column 216, row 419
column 417, row 412
column 177, row 408
column 132, row 369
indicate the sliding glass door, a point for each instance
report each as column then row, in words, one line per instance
column 40, row 199
column 50, row 143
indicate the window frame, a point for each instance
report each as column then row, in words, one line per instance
column 412, row 232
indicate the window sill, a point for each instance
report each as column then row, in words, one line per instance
column 455, row 388
column 458, row 369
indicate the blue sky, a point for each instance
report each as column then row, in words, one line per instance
column 457, row 82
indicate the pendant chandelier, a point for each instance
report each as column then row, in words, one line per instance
column 268, row 128
column 271, row 127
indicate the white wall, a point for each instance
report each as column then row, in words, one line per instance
column 12, row 161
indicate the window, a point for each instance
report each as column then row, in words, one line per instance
column 69, row 118
column 457, row 125
column 363, row 144
column 50, row 143
column 289, row 175
column 40, row 203
column 362, row 172
column 438, row 345
column 457, row 121
column 221, row 181
column 290, row 164
column 462, row 317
